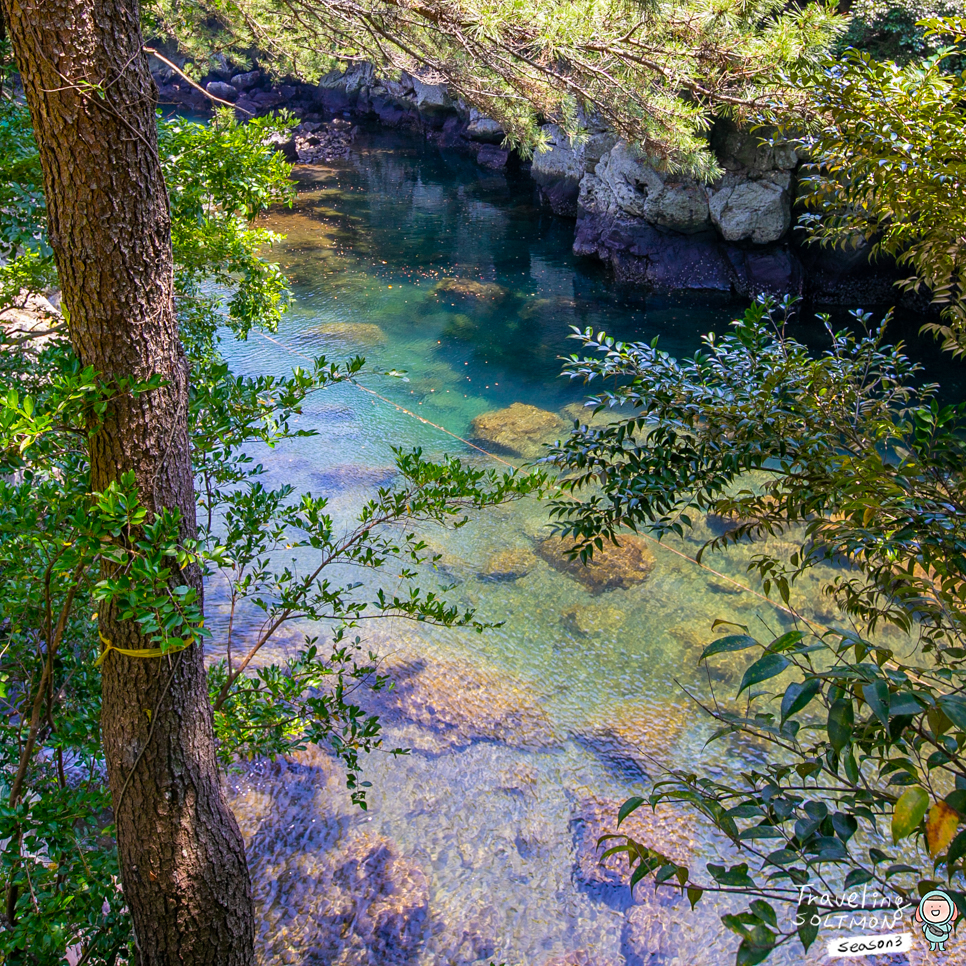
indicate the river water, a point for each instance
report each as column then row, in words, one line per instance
column 478, row 846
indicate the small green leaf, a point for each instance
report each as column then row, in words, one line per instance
column 694, row 894
column 909, row 812
column 810, row 920
column 857, row 877
column 841, row 717
column 764, row 668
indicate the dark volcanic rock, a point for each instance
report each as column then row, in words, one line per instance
column 772, row 272
column 220, row 89
column 667, row 261
column 493, row 157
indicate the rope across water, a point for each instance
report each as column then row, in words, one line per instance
column 498, row 459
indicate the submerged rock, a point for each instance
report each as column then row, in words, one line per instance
column 579, row 957
column 509, row 564
column 664, row 929
column 609, row 569
column 582, row 620
column 637, row 737
column 361, row 904
column 519, row 429
column 669, row 830
column 365, row 333
column 462, row 704
column 348, row 476
column 468, row 288
column 315, row 144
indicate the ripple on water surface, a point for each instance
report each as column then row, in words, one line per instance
column 480, row 845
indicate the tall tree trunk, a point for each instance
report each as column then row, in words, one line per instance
column 92, row 100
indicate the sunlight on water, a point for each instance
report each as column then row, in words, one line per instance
column 479, row 846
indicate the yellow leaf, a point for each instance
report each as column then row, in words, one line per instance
column 940, row 827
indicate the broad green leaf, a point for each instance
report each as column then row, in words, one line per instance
column 841, row 717
column 790, row 639
column 733, row 642
column 631, row 805
column 750, row 953
column 765, row 912
column 876, row 697
column 909, row 812
column 809, row 921
column 903, row 704
column 764, row 668
column 957, row 850
column 955, row 708
column 797, row 695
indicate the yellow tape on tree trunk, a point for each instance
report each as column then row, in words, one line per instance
column 142, row 652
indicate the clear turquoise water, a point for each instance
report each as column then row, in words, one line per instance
column 468, row 853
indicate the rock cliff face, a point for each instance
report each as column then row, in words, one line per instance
column 670, row 232
column 661, row 231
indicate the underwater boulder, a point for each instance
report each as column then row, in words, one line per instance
column 350, row 476
column 519, row 429
column 608, row 569
column 468, row 288
column 506, row 565
column 365, row 333
column 635, row 737
column 582, row 620
column 361, row 903
column 461, row 704
column 669, row 829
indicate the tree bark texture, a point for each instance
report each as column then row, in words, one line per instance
column 92, row 101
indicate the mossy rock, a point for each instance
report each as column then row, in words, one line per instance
column 469, row 288
column 507, row 565
column 609, row 569
column 362, row 333
column 462, row 327
column 520, row 429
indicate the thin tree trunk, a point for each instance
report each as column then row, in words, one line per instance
column 92, row 100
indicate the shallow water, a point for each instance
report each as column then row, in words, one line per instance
column 525, row 739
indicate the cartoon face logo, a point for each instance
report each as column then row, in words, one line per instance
column 937, row 913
